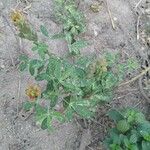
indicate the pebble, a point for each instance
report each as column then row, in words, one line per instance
column 147, row 11
column 115, row 19
column 2, row 66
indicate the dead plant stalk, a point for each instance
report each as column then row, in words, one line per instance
column 110, row 15
column 137, row 77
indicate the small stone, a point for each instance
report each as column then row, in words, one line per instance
column 142, row 48
column 148, row 41
column 115, row 19
column 2, row 66
column 147, row 11
column 95, row 33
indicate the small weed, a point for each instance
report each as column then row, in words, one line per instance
column 25, row 31
column 77, row 88
column 72, row 20
column 131, row 132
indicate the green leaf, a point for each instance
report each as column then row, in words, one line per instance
column 82, row 103
column 34, row 64
column 54, row 67
column 145, row 145
column 123, row 126
column 50, row 86
column 49, row 122
column 115, row 147
column 121, row 69
column 68, row 38
column 134, row 147
column 57, row 71
column 40, row 110
column 42, row 68
column 27, row 106
column 102, row 98
column 74, row 31
column 66, row 101
column 83, row 61
column 53, row 99
column 42, row 76
column 79, row 44
column 23, row 58
column 76, row 46
column 146, row 135
column 80, row 73
column 40, row 117
column 115, row 137
column 139, row 117
column 115, row 115
column 35, row 48
column 58, row 36
column 82, row 108
column 44, row 124
column 23, row 62
column 69, row 113
column 70, row 86
column 112, row 58
column 44, row 30
column 99, row 98
column 27, row 32
column 22, row 66
column 42, row 50
column 83, row 111
column 133, row 138
column 144, row 129
column 58, row 116
column 52, row 96
column 67, row 72
column 127, row 142
column 132, row 64
column 111, row 81
column 31, row 70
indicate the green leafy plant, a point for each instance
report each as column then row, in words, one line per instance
column 71, row 88
column 25, row 30
column 131, row 132
column 72, row 20
column 77, row 88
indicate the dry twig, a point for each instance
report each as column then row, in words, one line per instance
column 138, row 3
column 110, row 15
column 18, row 94
column 137, row 27
column 137, row 77
column 7, row 23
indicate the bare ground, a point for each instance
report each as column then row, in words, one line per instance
column 16, row 134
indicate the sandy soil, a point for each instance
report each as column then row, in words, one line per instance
column 16, row 134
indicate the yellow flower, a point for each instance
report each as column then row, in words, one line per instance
column 95, row 7
column 33, row 91
column 17, row 17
